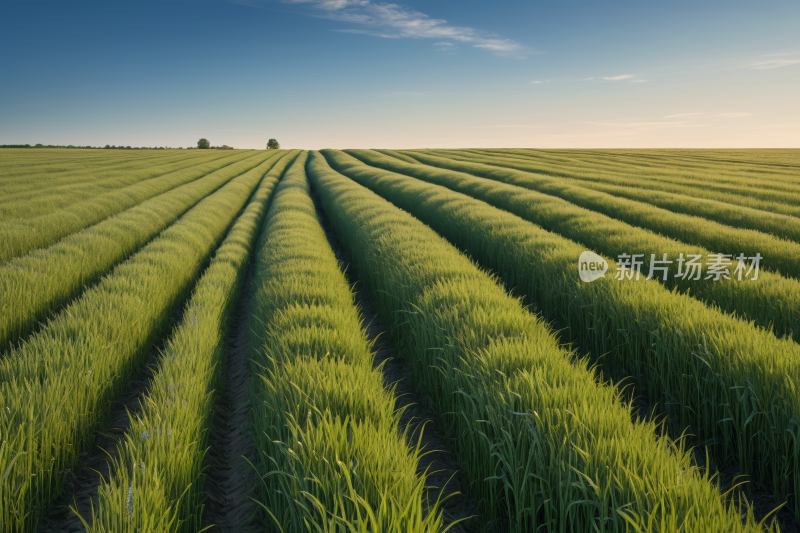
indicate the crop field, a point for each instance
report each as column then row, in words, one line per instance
column 471, row 340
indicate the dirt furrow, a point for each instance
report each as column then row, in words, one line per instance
column 231, row 480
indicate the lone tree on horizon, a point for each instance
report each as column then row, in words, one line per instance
column 203, row 143
column 273, row 144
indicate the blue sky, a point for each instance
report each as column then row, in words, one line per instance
column 440, row 73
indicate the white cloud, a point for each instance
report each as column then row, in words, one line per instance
column 707, row 115
column 620, row 77
column 683, row 115
column 638, row 81
column 774, row 63
column 517, row 126
column 405, row 93
column 445, row 47
column 394, row 21
column 670, row 124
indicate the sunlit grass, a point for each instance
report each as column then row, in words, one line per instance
column 772, row 300
column 35, row 284
column 542, row 444
column 169, row 436
column 20, row 236
column 57, row 388
column 332, row 457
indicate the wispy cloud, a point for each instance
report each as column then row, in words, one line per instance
column 406, row 93
column 517, row 126
column 638, row 81
column 774, row 63
column 706, row 116
column 734, row 115
column 395, row 21
column 446, row 47
column 620, row 77
column 684, row 115
column 670, row 124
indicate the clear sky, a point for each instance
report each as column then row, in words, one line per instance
column 435, row 73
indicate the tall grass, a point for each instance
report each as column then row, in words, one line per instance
column 669, row 165
column 772, row 301
column 743, row 191
column 21, row 236
column 170, row 433
column 544, row 446
column 42, row 191
column 729, row 383
column 56, row 389
column 38, row 283
column 739, row 216
column 779, row 255
column 332, row 456
column 57, row 167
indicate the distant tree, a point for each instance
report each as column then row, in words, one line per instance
column 203, row 143
column 273, row 144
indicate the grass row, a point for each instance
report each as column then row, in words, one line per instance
column 779, row 255
column 719, row 176
column 776, row 224
column 332, row 456
column 169, row 435
column 655, row 166
column 542, row 444
column 730, row 383
column 21, row 236
column 772, row 301
column 43, row 197
column 780, row 225
column 744, row 195
column 51, row 167
column 35, row 284
column 57, row 389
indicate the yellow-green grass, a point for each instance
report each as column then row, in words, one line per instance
column 57, row 388
column 776, row 161
column 39, row 283
column 399, row 155
column 744, row 194
column 42, row 197
column 332, row 456
column 21, row 236
column 54, row 160
column 169, row 434
column 543, row 446
column 780, row 255
column 51, row 169
column 733, row 178
column 653, row 165
column 728, row 382
column 777, row 224
column 772, row 301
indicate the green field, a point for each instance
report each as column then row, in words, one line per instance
column 399, row 341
